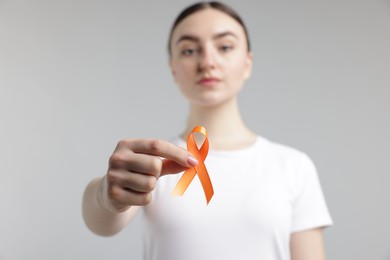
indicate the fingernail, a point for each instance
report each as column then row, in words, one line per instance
column 192, row 161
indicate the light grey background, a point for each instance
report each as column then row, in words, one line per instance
column 77, row 76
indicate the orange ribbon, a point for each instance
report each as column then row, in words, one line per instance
column 200, row 169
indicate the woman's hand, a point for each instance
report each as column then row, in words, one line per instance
column 134, row 168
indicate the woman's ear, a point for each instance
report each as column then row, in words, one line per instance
column 248, row 65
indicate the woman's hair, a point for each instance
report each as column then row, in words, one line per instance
column 205, row 5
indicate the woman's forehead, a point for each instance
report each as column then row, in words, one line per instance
column 207, row 23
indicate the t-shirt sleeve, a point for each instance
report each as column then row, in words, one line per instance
column 309, row 206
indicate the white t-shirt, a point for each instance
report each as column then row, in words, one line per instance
column 262, row 194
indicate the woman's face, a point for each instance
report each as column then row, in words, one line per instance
column 209, row 57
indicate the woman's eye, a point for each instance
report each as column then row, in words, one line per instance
column 188, row 52
column 226, row 48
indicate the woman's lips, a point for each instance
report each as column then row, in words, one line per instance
column 209, row 82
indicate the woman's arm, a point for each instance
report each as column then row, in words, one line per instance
column 308, row 245
column 97, row 214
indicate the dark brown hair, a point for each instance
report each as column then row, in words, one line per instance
column 204, row 5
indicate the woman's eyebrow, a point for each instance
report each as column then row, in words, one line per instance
column 196, row 39
column 224, row 34
column 188, row 38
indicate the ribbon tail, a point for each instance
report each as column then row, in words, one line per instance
column 205, row 181
column 184, row 182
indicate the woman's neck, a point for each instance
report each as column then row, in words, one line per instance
column 225, row 127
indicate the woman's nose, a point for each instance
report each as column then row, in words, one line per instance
column 207, row 60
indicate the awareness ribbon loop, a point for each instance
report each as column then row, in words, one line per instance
column 200, row 168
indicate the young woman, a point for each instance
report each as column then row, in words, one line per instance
column 268, row 202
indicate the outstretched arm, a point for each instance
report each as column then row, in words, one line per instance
column 99, row 216
column 109, row 203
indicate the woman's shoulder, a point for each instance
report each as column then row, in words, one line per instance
column 283, row 151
